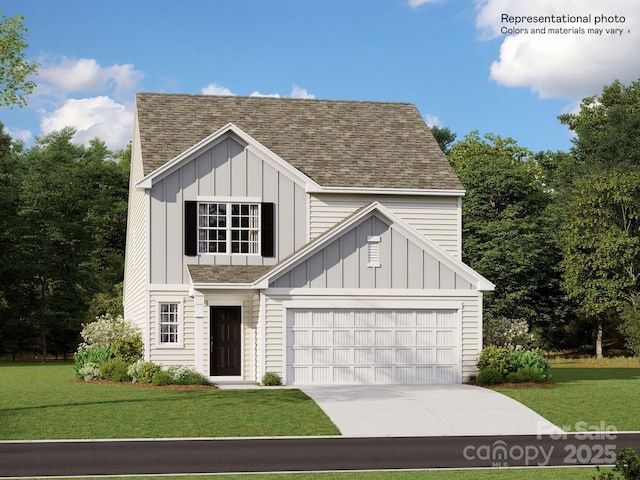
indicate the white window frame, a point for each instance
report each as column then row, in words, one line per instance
column 180, row 322
column 253, row 228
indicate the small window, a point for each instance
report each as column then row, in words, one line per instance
column 170, row 323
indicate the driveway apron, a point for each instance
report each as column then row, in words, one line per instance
column 425, row 410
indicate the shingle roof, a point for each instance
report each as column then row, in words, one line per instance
column 335, row 143
column 241, row 274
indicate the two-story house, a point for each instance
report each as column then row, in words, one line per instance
column 317, row 239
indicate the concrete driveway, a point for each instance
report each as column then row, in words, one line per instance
column 425, row 410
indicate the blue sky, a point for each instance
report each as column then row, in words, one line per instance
column 449, row 57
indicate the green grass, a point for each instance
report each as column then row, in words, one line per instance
column 486, row 474
column 43, row 402
column 598, row 395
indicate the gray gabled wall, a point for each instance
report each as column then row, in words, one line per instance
column 344, row 263
column 225, row 170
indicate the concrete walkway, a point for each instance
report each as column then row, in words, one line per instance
column 425, row 410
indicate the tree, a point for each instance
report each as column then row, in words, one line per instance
column 507, row 235
column 607, row 129
column 601, row 246
column 600, row 209
column 15, row 70
column 71, row 234
column 444, row 136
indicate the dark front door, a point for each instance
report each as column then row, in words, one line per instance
column 225, row 341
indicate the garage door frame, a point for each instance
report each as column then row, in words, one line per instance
column 369, row 304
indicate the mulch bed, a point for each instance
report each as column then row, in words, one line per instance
column 148, row 385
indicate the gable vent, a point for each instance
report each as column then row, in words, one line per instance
column 373, row 258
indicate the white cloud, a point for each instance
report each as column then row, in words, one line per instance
column 299, row 92
column 432, row 120
column 86, row 75
column 23, row 135
column 570, row 65
column 215, row 89
column 92, row 117
column 296, row 92
column 417, row 3
column 258, row 94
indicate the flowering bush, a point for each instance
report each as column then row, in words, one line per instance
column 109, row 332
column 506, row 332
column 186, row 376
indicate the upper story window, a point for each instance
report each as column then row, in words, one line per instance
column 228, row 227
column 224, row 227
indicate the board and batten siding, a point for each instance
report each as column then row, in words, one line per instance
column 227, row 170
column 135, row 279
column 275, row 320
column 436, row 217
column 344, row 263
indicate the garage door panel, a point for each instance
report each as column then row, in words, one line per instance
column 343, row 356
column 363, row 356
column 342, row 337
column 363, row 337
column 372, row 346
column 425, row 337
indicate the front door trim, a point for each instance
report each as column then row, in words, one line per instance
column 226, row 304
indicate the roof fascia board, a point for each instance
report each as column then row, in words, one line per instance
column 389, row 191
column 251, row 143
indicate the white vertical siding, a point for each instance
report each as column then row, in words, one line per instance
column 225, row 170
column 344, row 263
column 437, row 217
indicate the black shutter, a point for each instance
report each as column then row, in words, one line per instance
column 267, row 230
column 191, row 228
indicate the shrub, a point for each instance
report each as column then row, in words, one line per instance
column 506, row 332
column 147, row 370
column 499, row 358
column 130, row 348
column 271, row 379
column 627, row 464
column 525, row 375
column 120, row 373
column 532, row 360
column 89, row 371
column 489, row 376
column 109, row 368
column 187, row 376
column 161, row 378
column 94, row 354
column 142, row 372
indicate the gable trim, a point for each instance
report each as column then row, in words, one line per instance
column 249, row 142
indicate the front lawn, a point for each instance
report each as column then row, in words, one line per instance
column 43, row 402
column 473, row 474
column 594, row 392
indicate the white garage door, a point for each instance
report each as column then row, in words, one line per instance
column 372, row 346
